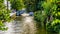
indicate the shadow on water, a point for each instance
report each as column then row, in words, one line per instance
column 42, row 30
column 19, row 18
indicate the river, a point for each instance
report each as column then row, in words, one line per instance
column 24, row 25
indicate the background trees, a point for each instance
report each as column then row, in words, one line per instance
column 33, row 5
column 17, row 4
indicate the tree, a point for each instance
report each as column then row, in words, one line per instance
column 4, row 15
column 52, row 9
column 33, row 5
column 30, row 5
column 50, row 15
column 17, row 4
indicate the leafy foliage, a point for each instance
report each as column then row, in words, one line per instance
column 39, row 16
column 33, row 5
column 4, row 15
column 54, row 25
column 17, row 4
column 50, row 14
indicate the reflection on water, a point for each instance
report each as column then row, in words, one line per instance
column 43, row 30
column 24, row 25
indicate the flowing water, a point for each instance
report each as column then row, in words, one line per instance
column 29, row 25
column 21, row 25
column 24, row 25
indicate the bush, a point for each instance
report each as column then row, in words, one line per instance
column 4, row 16
column 17, row 4
column 40, row 18
column 53, row 25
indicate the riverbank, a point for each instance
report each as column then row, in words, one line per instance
column 13, row 15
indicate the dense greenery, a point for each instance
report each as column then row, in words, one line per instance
column 55, row 23
column 30, row 5
column 46, row 12
column 40, row 17
column 52, row 14
column 33, row 5
column 4, row 15
column 17, row 4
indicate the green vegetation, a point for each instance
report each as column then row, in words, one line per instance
column 50, row 15
column 4, row 15
column 33, row 5
column 17, row 4
column 30, row 5
column 40, row 17
column 55, row 23
column 46, row 12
